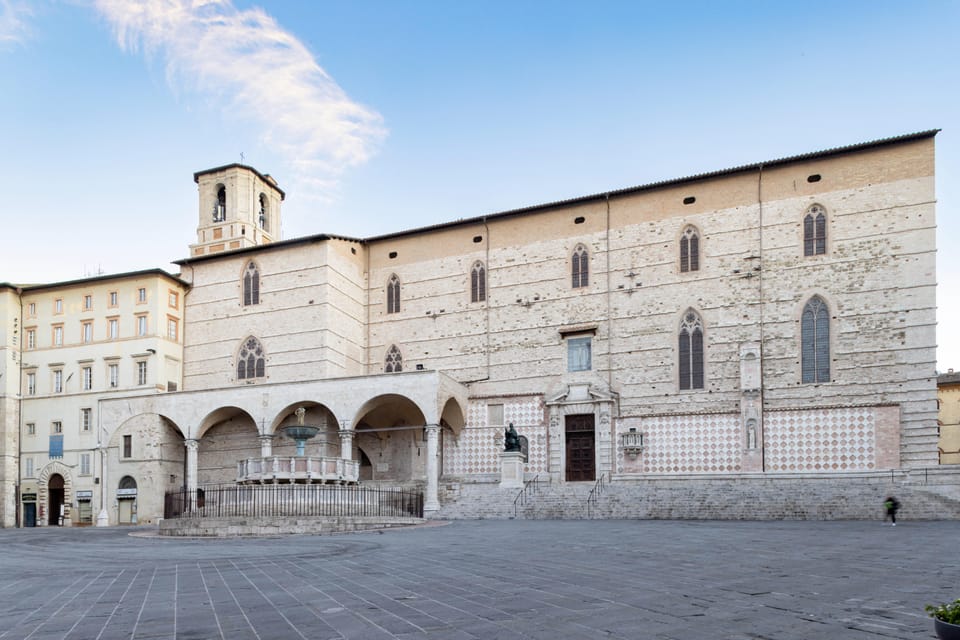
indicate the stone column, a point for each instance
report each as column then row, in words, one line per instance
column 266, row 446
column 345, row 471
column 431, row 502
column 192, row 447
column 346, row 444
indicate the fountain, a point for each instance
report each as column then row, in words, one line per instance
column 299, row 432
column 313, row 468
column 290, row 494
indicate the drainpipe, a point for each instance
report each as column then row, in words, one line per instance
column 609, row 304
column 763, row 440
column 366, row 325
column 486, row 301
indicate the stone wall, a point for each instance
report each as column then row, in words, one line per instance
column 222, row 446
column 309, row 318
column 877, row 278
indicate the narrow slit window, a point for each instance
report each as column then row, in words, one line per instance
column 689, row 250
column 580, row 267
column 815, row 231
column 393, row 294
column 251, row 285
column 478, row 283
column 690, row 351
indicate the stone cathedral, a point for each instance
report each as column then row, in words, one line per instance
column 773, row 322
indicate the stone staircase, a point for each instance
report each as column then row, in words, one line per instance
column 822, row 497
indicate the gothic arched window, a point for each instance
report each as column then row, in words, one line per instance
column 394, row 361
column 478, row 282
column 580, row 267
column 689, row 250
column 251, row 362
column 815, row 341
column 691, row 351
column 393, row 294
column 251, row 285
column 815, row 231
column 220, row 208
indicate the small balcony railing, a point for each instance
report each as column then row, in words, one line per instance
column 296, row 469
column 632, row 443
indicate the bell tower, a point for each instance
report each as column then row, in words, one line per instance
column 239, row 208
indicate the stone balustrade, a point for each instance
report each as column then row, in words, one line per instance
column 297, row 469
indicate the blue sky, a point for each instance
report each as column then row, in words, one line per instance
column 381, row 116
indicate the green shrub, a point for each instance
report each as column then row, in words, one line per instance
column 948, row 612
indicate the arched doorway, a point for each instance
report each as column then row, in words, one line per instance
column 127, row 501
column 55, row 500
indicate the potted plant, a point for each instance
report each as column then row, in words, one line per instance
column 946, row 619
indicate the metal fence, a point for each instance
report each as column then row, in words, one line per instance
column 276, row 500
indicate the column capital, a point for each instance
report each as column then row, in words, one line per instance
column 266, row 436
column 432, row 428
column 191, row 444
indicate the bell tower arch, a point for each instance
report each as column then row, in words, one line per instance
column 239, row 207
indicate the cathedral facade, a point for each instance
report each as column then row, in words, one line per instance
column 777, row 318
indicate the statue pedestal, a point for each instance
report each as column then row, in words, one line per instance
column 511, row 469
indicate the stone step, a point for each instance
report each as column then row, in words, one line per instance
column 735, row 498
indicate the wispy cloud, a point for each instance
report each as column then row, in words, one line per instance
column 13, row 25
column 260, row 72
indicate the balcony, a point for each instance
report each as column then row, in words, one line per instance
column 297, row 470
column 631, row 443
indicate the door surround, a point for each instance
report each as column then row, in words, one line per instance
column 580, row 399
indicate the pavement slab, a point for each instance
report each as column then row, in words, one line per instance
column 514, row 579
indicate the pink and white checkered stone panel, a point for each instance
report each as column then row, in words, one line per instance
column 479, row 446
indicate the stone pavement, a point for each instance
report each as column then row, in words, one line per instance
column 486, row 579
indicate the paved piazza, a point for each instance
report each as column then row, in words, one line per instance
column 487, row 579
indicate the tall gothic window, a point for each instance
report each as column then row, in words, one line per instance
column 394, row 361
column 689, row 250
column 478, row 282
column 251, row 285
column 220, row 208
column 251, row 363
column 580, row 267
column 393, row 294
column 815, row 341
column 691, row 352
column 815, row 231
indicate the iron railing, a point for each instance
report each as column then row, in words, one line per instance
column 319, row 500
column 530, row 487
column 595, row 493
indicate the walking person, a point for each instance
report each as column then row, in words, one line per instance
column 891, row 504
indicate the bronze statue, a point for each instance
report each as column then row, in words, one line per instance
column 511, row 441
